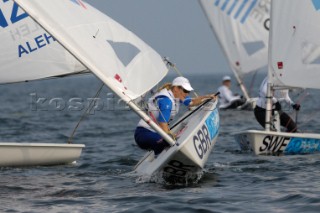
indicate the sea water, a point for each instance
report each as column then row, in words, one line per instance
column 101, row 180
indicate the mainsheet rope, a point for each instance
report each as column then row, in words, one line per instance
column 85, row 114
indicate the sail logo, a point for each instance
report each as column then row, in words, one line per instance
column 15, row 13
column 80, row 3
column 316, row 4
column 213, row 124
column 303, row 146
column 240, row 10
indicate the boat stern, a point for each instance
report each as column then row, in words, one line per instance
column 277, row 143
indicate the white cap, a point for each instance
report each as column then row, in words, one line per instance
column 183, row 82
column 226, row 78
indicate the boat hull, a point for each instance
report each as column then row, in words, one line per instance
column 185, row 160
column 38, row 154
column 278, row 143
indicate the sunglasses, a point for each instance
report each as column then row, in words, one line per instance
column 184, row 90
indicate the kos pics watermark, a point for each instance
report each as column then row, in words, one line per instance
column 110, row 103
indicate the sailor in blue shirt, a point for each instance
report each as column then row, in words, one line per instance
column 162, row 108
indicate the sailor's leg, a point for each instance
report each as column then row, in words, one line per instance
column 260, row 115
column 159, row 146
column 235, row 104
column 241, row 101
column 232, row 106
column 142, row 137
column 288, row 123
column 149, row 140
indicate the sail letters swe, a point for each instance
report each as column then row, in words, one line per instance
column 274, row 143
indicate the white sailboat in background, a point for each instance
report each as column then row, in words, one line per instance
column 242, row 29
column 293, row 62
column 29, row 53
column 130, row 68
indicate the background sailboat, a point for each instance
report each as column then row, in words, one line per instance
column 29, row 53
column 293, row 62
column 242, row 29
column 114, row 54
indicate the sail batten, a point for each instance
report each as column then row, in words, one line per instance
column 114, row 54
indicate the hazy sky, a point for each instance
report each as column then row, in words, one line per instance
column 177, row 29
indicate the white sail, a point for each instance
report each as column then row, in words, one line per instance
column 295, row 43
column 242, row 29
column 27, row 51
column 114, row 54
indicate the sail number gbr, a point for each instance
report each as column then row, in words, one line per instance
column 202, row 141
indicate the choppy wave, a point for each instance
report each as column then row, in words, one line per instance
column 102, row 180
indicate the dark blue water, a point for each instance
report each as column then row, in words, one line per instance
column 101, row 180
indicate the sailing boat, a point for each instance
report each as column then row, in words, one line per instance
column 29, row 53
column 293, row 63
column 130, row 68
column 197, row 133
column 242, row 29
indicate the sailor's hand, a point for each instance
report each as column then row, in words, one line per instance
column 296, row 106
column 173, row 136
column 212, row 96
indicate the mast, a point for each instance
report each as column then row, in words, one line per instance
column 268, row 107
column 269, row 87
column 240, row 84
